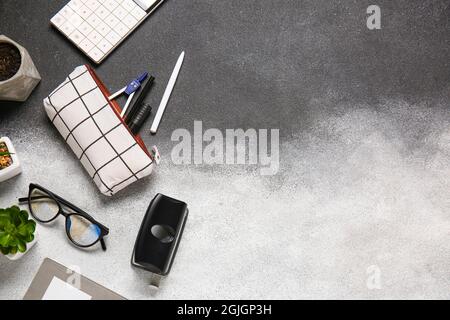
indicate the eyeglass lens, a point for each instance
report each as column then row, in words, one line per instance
column 43, row 206
column 82, row 231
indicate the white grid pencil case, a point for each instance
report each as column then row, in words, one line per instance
column 93, row 128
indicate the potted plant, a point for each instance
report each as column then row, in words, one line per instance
column 18, row 74
column 9, row 162
column 17, row 232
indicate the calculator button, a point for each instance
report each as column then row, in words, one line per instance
column 113, row 37
column 84, row 12
column 120, row 12
column 85, row 28
column 76, row 4
column 94, row 36
column 110, row 4
column 129, row 5
column 93, row 20
column 104, row 45
column 58, row 20
column 103, row 29
column 130, row 21
column 76, row 36
column 102, row 12
column 138, row 13
column 96, row 54
column 121, row 29
column 67, row 12
column 112, row 20
column 92, row 4
column 86, row 45
column 67, row 28
column 76, row 20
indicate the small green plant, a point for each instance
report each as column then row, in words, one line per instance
column 16, row 230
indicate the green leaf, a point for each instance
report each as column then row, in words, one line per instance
column 29, row 238
column 23, row 229
column 31, row 226
column 23, row 215
column 5, row 240
column 14, row 210
column 4, row 216
column 4, row 250
column 22, row 246
column 13, row 241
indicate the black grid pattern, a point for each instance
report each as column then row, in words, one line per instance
column 103, row 144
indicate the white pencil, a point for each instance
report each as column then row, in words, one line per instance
column 167, row 93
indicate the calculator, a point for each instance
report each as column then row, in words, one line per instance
column 97, row 27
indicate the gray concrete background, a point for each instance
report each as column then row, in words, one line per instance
column 365, row 147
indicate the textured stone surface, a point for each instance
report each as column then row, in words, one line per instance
column 365, row 147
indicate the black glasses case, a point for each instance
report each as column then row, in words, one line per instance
column 159, row 236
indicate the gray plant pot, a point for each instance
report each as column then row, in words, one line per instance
column 20, row 86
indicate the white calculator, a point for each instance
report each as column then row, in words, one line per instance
column 97, row 27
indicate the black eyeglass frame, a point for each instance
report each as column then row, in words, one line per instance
column 104, row 231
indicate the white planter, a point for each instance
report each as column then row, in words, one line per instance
column 19, row 86
column 19, row 255
column 14, row 169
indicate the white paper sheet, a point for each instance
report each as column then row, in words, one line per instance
column 60, row 290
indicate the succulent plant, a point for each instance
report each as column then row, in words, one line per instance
column 16, row 230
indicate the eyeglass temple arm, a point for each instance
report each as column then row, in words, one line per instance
column 103, row 244
column 23, row 200
column 33, row 198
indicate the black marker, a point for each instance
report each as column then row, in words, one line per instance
column 139, row 118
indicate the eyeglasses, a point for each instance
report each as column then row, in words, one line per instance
column 82, row 230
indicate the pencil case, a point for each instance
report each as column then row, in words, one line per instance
column 92, row 126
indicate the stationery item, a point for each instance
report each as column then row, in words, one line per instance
column 81, row 229
column 129, row 90
column 92, row 126
column 139, row 100
column 167, row 93
column 98, row 27
column 140, row 118
column 54, row 281
column 159, row 235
